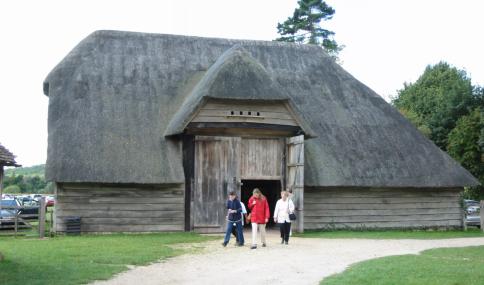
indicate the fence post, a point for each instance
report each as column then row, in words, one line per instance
column 16, row 222
column 42, row 218
column 482, row 215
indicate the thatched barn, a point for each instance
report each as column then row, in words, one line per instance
column 149, row 132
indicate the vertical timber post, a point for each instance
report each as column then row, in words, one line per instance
column 482, row 215
column 42, row 218
column 1, row 186
column 188, row 147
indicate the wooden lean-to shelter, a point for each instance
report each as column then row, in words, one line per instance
column 149, row 132
column 6, row 159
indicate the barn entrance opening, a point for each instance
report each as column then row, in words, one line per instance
column 270, row 188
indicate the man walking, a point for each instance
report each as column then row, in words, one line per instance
column 234, row 219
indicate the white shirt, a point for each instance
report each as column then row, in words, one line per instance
column 283, row 208
column 244, row 211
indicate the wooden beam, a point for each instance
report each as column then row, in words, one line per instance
column 1, row 186
column 42, row 217
column 261, row 177
column 188, row 146
column 482, row 215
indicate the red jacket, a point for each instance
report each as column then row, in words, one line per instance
column 259, row 212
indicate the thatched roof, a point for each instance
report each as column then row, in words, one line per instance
column 118, row 98
column 6, row 157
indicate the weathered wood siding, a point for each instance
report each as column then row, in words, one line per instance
column 276, row 113
column 216, row 174
column 353, row 208
column 262, row 158
column 295, row 177
column 121, row 208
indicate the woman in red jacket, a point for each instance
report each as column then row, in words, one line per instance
column 259, row 216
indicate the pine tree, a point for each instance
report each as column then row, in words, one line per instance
column 305, row 26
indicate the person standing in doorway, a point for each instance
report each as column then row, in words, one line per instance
column 284, row 207
column 259, row 216
column 234, row 219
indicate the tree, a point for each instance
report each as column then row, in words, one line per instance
column 437, row 100
column 464, row 146
column 12, row 189
column 305, row 26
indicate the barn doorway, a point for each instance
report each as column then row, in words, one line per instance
column 270, row 188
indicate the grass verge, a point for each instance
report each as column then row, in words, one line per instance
column 393, row 234
column 435, row 266
column 80, row 259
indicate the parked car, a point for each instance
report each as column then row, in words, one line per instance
column 473, row 212
column 30, row 210
column 36, row 197
column 25, row 199
column 7, row 216
column 473, row 221
column 11, row 203
column 468, row 203
column 49, row 201
column 27, row 211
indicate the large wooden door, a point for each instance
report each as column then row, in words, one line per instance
column 295, row 177
column 216, row 174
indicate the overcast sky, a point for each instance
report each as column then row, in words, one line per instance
column 387, row 43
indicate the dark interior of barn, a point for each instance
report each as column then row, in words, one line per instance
column 270, row 189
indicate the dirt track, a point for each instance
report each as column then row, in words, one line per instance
column 303, row 261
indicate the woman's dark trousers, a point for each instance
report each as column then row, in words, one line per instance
column 285, row 229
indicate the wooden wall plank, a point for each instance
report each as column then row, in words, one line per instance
column 109, row 228
column 340, row 208
column 124, row 209
column 386, row 225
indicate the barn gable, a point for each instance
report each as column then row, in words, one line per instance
column 236, row 76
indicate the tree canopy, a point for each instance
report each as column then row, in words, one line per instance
column 445, row 106
column 305, row 26
column 465, row 144
column 437, row 100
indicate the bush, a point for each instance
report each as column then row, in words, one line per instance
column 12, row 189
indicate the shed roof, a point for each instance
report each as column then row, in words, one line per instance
column 117, row 96
column 6, row 157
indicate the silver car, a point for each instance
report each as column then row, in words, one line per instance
column 473, row 217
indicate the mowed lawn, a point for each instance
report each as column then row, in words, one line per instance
column 80, row 259
column 410, row 234
column 436, row 266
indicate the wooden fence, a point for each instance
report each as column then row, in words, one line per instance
column 19, row 220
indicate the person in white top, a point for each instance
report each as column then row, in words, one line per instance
column 284, row 207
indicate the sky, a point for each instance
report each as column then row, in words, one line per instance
column 386, row 43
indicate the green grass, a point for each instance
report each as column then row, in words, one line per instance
column 472, row 232
column 80, row 259
column 435, row 266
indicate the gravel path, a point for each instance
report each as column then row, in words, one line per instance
column 303, row 261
